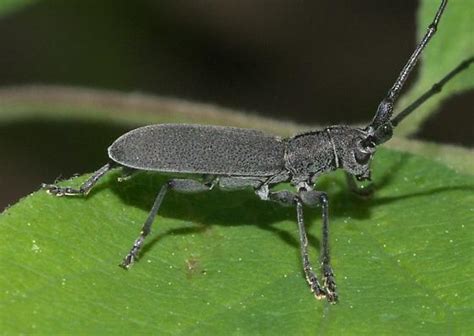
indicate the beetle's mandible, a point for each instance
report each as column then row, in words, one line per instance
column 235, row 158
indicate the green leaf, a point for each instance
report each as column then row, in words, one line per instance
column 227, row 263
column 452, row 44
column 67, row 103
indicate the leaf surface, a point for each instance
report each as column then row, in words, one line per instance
column 227, row 263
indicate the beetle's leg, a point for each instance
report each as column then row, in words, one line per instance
column 180, row 185
column 362, row 191
column 83, row 189
column 313, row 282
column 137, row 245
column 289, row 198
column 311, row 197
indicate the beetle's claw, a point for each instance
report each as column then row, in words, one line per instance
column 326, row 293
column 331, row 296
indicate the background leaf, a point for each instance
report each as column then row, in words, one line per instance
column 67, row 103
column 8, row 6
column 452, row 44
column 449, row 47
column 226, row 263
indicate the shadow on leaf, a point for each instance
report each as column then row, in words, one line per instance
column 235, row 208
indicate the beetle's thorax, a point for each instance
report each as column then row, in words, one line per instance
column 311, row 154
column 354, row 149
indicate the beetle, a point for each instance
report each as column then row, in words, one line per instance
column 233, row 158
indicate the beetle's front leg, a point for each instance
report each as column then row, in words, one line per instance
column 312, row 198
column 288, row 198
column 311, row 278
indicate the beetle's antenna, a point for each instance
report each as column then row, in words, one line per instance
column 384, row 111
column 396, row 88
column 436, row 88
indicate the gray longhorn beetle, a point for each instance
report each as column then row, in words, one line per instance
column 234, row 158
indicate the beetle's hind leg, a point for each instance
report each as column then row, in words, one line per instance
column 180, row 185
column 84, row 189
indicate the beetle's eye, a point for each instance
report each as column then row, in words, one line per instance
column 362, row 157
column 368, row 145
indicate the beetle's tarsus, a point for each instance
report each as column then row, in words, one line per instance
column 330, row 285
column 133, row 254
column 331, row 297
column 313, row 283
column 85, row 187
column 52, row 189
column 128, row 261
column 55, row 190
column 325, row 293
column 318, row 292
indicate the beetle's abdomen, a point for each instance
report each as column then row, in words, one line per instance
column 200, row 149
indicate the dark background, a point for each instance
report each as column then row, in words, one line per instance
column 322, row 62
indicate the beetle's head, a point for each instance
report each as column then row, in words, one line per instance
column 354, row 149
column 362, row 143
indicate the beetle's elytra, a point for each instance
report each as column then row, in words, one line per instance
column 233, row 158
column 200, row 149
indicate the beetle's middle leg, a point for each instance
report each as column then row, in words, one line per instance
column 180, row 185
